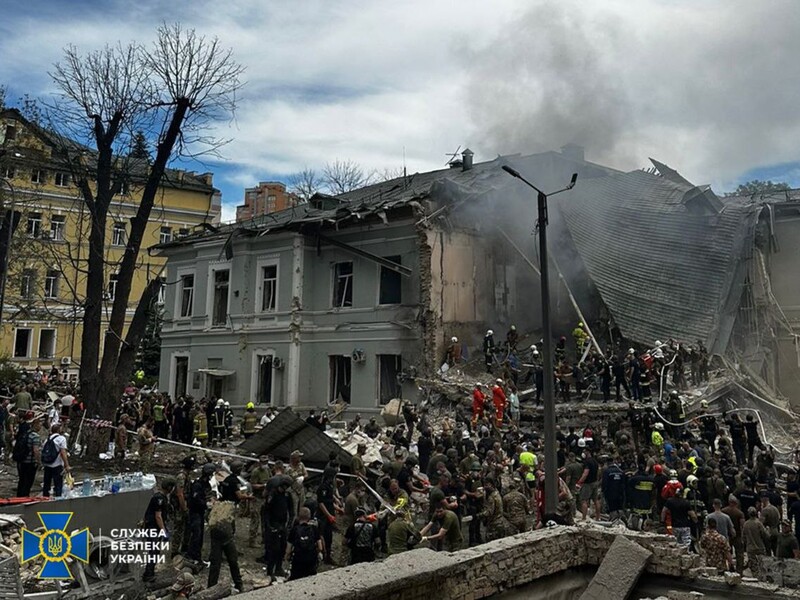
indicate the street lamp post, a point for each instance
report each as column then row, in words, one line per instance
column 10, row 225
column 550, row 446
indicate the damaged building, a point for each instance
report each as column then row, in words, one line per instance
column 350, row 298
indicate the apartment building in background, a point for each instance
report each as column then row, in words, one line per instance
column 267, row 197
column 42, row 316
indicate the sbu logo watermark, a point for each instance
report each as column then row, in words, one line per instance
column 55, row 545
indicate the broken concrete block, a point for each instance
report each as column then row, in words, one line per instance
column 619, row 571
column 732, row 578
column 683, row 595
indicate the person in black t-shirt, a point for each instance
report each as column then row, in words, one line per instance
column 154, row 522
column 682, row 515
column 304, row 546
column 753, row 439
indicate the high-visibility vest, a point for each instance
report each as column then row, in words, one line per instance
column 249, row 422
column 200, row 427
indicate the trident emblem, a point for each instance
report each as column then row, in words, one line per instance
column 55, row 545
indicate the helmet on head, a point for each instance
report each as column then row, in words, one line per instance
column 227, row 404
column 673, row 394
column 692, row 481
column 703, row 403
column 658, row 344
column 535, row 352
column 631, row 351
column 657, row 469
column 513, row 328
column 659, row 426
column 220, row 402
column 250, row 405
column 499, row 381
column 673, row 474
column 454, row 339
column 489, row 332
column 581, row 443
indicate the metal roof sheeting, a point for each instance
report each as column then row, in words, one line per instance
column 662, row 269
column 286, row 433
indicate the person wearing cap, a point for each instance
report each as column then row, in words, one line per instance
column 259, row 476
column 372, row 429
column 182, row 588
column 756, row 541
column 401, row 534
column 786, row 545
column 199, row 495
column 27, row 453
column 360, row 538
column 488, row 350
column 155, row 517
column 180, row 508
column 328, row 507
column 147, row 444
column 297, row 471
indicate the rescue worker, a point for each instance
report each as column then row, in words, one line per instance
column 201, row 428
column 258, row 483
column 453, row 352
column 512, row 338
column 218, row 421
column 581, row 337
column 360, row 538
column 121, row 440
column 228, row 420
column 656, row 439
column 297, row 471
column 515, row 506
column 492, row 514
column 478, row 404
column 159, row 418
column 613, row 486
column 249, row 420
column 488, row 350
column 357, row 466
column 221, row 532
column 499, row 401
column 560, row 352
column 180, row 506
column 155, row 518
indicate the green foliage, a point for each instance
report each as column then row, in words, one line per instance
column 758, row 187
column 9, row 373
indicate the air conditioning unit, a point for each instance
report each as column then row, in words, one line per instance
column 66, row 361
column 277, row 362
column 358, row 356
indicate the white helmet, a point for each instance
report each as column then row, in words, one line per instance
column 581, row 443
column 691, row 480
column 489, row 332
column 513, row 328
column 658, row 344
column 535, row 352
column 454, row 339
column 498, row 381
column 220, row 402
column 659, row 426
column 703, row 403
column 227, row 404
column 631, row 351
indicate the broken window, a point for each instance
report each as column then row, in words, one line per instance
column 47, row 343
column 187, row 295
column 35, row 225
column 22, row 343
column 264, row 390
column 57, row 228
column 181, row 375
column 269, row 288
column 343, row 284
column 11, row 133
column 340, row 373
column 389, row 367
column 51, row 284
column 219, row 316
column 390, row 284
column 118, row 234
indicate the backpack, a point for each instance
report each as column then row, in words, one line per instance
column 50, row 450
column 305, row 546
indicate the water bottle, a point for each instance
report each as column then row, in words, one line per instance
column 87, row 487
column 137, row 480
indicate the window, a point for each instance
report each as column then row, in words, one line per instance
column 22, row 343
column 57, row 228
column 390, row 284
column 35, row 225
column 47, row 343
column 181, row 376
column 118, row 234
column 62, row 179
column 187, row 295
column 270, row 203
column 11, row 133
column 9, row 173
column 269, row 288
column 37, row 176
column 27, row 282
column 113, row 280
column 340, row 372
column 264, row 383
column 343, row 284
column 51, row 284
column 389, row 367
column 165, row 236
column 219, row 316
column 162, row 288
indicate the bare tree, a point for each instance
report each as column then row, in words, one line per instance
column 171, row 92
column 305, row 183
column 342, row 176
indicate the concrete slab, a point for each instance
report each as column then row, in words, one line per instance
column 619, row 571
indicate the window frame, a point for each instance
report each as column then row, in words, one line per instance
column 335, row 279
column 30, row 342
column 51, row 289
column 38, row 176
column 57, row 233
column 396, row 258
column 27, row 283
column 35, row 217
column 179, row 296
column 379, row 358
column 54, row 346
column 261, row 266
column 123, row 231
column 10, row 172
column 347, row 362
column 165, row 234
column 212, row 295
column 62, row 179
column 113, row 278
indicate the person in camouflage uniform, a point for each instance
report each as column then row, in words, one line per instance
column 492, row 514
column 297, row 471
column 258, row 482
column 515, row 507
column 180, row 510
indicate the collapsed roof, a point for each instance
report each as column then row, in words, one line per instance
column 668, row 258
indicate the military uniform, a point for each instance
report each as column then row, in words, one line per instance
column 298, row 491
column 515, row 506
column 258, row 476
column 496, row 524
column 180, row 532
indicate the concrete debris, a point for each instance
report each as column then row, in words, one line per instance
column 733, row 578
column 619, row 571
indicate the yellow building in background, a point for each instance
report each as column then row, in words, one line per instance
column 42, row 313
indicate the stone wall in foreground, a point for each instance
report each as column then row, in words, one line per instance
column 481, row 571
